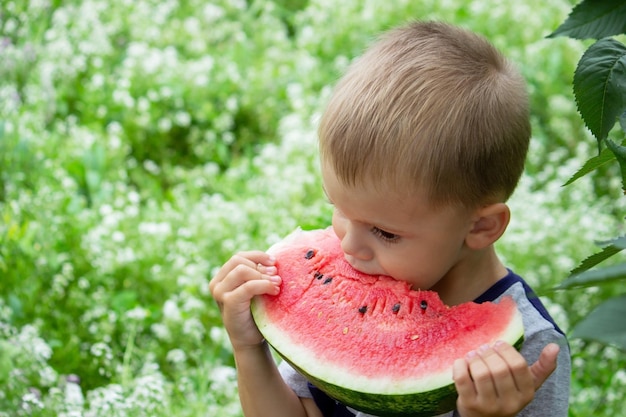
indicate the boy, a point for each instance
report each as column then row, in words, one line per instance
column 422, row 143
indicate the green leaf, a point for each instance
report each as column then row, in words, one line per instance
column 124, row 300
column 610, row 248
column 594, row 19
column 618, row 150
column 620, row 153
column 600, row 86
column 622, row 121
column 595, row 259
column 605, row 324
column 592, row 164
column 619, row 242
column 579, row 278
column 595, row 277
column 8, row 351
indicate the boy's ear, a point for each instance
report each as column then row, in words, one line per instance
column 490, row 223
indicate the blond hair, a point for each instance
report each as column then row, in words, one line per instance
column 429, row 105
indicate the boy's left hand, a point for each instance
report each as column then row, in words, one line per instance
column 496, row 380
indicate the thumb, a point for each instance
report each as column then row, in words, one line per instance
column 545, row 365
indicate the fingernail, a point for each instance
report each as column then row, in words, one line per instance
column 499, row 344
column 471, row 354
column 271, row 260
column 275, row 278
column 484, row 348
column 271, row 270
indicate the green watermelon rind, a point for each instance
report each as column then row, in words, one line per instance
column 425, row 404
column 419, row 403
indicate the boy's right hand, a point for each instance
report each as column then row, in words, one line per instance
column 245, row 275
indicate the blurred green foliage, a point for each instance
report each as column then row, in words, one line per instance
column 144, row 142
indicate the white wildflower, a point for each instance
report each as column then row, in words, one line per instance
column 153, row 228
column 137, row 313
column 118, row 236
column 151, row 167
column 176, row 356
column 28, row 337
column 101, row 350
column 192, row 304
column 212, row 12
column 223, row 378
column 182, row 118
column 74, row 398
column 31, row 401
column 48, row 376
column 161, row 331
column 219, row 336
column 107, row 401
column 171, row 311
column 193, row 328
column 97, row 81
column 126, row 255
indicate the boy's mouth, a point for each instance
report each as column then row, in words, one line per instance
column 365, row 267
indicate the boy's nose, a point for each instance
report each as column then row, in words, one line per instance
column 354, row 246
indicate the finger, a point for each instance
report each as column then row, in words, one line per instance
column 245, row 292
column 517, row 367
column 545, row 365
column 244, row 273
column 481, row 374
column 473, row 383
column 266, row 269
column 500, row 370
column 250, row 258
column 462, row 379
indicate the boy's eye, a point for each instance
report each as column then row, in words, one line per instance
column 384, row 235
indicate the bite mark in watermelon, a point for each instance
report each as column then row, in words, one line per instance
column 371, row 342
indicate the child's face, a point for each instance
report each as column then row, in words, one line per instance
column 405, row 238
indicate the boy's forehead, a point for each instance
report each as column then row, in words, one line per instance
column 379, row 186
column 371, row 194
column 382, row 199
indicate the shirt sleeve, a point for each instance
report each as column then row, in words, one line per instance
column 295, row 380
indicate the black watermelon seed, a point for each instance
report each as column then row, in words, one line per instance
column 318, row 275
column 309, row 254
column 328, row 280
column 363, row 310
column 396, row 308
column 423, row 304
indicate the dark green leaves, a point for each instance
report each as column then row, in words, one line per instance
column 620, row 154
column 600, row 92
column 605, row 156
column 584, row 276
column 595, row 277
column 600, row 86
column 594, row 19
column 603, row 325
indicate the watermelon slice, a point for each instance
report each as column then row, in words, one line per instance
column 371, row 342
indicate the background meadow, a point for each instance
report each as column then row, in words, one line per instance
column 143, row 142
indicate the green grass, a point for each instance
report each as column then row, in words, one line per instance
column 142, row 143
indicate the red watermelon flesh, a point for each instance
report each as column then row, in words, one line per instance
column 371, row 341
